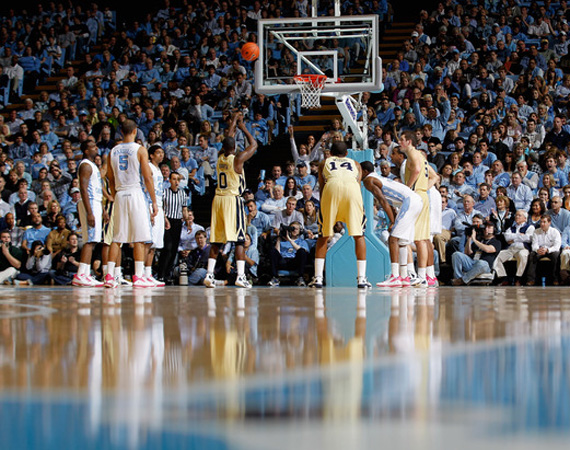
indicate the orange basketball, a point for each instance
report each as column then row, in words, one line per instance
column 250, row 51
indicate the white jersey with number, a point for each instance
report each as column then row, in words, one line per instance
column 126, row 166
column 95, row 186
column 157, row 179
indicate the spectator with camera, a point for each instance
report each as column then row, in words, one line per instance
column 66, row 262
column 194, row 262
column 291, row 252
column 288, row 215
column 481, row 249
column 37, row 266
column 37, row 232
column 461, row 221
column 11, row 257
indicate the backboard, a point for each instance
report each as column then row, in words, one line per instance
column 344, row 48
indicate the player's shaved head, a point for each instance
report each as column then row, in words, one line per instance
column 339, row 148
column 367, row 166
column 229, row 144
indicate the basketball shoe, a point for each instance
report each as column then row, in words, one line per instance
column 391, row 282
column 210, row 281
column 110, row 281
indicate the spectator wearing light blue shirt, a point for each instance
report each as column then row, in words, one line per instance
column 37, row 232
column 485, row 204
column 519, row 193
column 304, row 178
column 438, row 123
column 560, row 217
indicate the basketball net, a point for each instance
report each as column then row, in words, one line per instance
column 311, row 87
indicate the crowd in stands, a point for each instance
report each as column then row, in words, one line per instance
column 482, row 85
column 179, row 74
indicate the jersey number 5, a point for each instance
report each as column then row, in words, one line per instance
column 123, row 162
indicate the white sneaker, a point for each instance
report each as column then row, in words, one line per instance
column 391, row 282
column 141, row 282
column 363, row 283
column 110, row 282
column 85, row 281
column 122, row 281
column 209, row 281
column 316, row 282
column 415, row 280
column 422, row 283
column 155, row 282
column 243, row 282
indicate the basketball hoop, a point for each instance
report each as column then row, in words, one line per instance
column 311, row 86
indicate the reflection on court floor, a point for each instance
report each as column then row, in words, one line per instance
column 294, row 367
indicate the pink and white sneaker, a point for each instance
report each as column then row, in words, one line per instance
column 391, row 282
column 110, row 281
column 432, row 282
column 85, row 281
column 155, row 282
column 142, row 282
column 406, row 282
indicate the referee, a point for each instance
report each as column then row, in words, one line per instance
column 175, row 203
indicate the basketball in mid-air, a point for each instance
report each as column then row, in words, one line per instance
column 250, row 51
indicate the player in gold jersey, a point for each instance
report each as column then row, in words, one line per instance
column 420, row 177
column 341, row 200
column 228, row 213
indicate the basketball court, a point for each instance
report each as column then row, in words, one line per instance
column 284, row 368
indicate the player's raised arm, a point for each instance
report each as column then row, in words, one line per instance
column 233, row 124
column 249, row 150
column 146, row 174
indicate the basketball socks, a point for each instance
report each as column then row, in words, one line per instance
column 395, row 269
column 83, row 269
column 422, row 273
column 411, row 270
column 111, row 268
column 240, row 264
column 139, row 269
column 430, row 271
column 147, row 271
column 319, row 266
column 404, row 271
column 211, row 265
column 361, row 267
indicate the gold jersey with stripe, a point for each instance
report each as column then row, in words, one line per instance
column 230, row 183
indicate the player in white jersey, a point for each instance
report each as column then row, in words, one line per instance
column 156, row 155
column 90, row 213
column 390, row 194
column 128, row 168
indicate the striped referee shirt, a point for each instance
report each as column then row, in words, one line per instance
column 174, row 203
